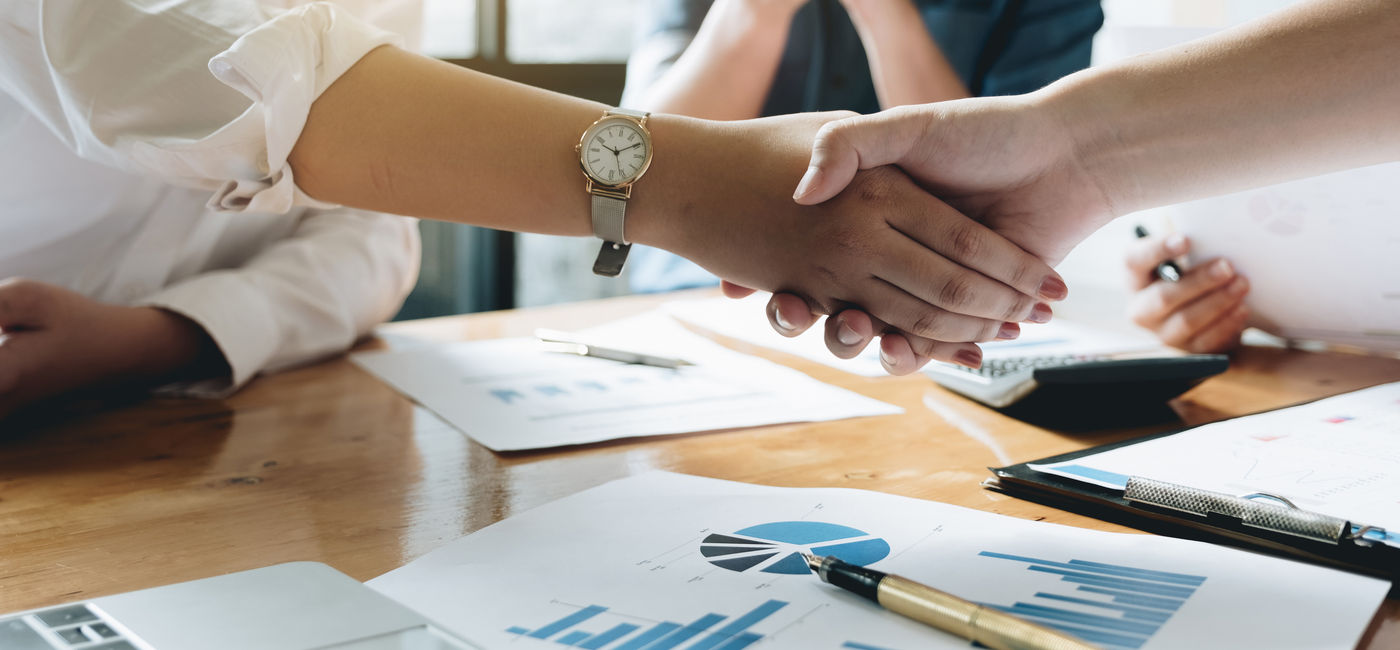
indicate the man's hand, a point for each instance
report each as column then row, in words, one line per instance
column 1011, row 169
column 1202, row 313
column 53, row 341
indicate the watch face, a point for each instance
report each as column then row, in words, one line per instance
column 615, row 151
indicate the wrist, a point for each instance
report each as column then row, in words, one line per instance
column 168, row 346
column 1091, row 108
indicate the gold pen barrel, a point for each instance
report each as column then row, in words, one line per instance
column 987, row 626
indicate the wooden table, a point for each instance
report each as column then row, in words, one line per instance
column 326, row 463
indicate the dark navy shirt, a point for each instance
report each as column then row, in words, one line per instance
column 997, row 47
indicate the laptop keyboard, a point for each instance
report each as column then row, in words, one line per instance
column 70, row 626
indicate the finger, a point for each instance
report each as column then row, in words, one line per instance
column 1144, row 255
column 1152, row 306
column 22, row 304
column 789, row 314
column 939, row 227
column 1185, row 323
column 1222, row 335
column 843, row 147
column 940, row 281
column 848, row 332
column 735, row 291
column 912, row 315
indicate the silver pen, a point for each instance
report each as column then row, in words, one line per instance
column 566, row 343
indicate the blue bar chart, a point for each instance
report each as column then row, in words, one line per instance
column 1110, row 605
column 664, row 635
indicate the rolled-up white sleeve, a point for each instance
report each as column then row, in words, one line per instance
column 304, row 297
column 204, row 93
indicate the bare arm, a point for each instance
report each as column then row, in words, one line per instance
column 905, row 64
column 727, row 70
column 405, row 134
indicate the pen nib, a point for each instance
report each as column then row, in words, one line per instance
column 813, row 562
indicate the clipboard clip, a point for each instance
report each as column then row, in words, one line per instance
column 1261, row 510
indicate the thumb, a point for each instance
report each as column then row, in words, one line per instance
column 846, row 146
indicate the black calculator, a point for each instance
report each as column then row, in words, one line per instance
column 1076, row 391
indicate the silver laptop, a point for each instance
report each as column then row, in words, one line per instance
column 296, row 606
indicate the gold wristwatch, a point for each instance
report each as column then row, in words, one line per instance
column 614, row 152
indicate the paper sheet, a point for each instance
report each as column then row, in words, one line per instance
column 746, row 320
column 507, row 394
column 1320, row 253
column 1338, row 456
column 711, row 564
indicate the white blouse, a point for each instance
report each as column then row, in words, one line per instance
column 143, row 161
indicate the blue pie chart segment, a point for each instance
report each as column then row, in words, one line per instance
column 776, row 546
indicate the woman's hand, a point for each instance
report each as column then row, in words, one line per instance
column 1204, row 312
column 53, row 341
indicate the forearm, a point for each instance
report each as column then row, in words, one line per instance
column 1306, row 91
column 905, row 63
column 728, row 69
column 158, row 346
column 404, row 134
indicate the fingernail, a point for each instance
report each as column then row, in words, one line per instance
column 1008, row 331
column 783, row 323
column 1041, row 313
column 804, row 186
column 1221, row 270
column 969, row 358
column 1176, row 244
column 1053, row 288
column 886, row 359
column 846, row 335
column 1238, row 286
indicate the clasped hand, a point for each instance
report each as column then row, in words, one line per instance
column 1012, row 198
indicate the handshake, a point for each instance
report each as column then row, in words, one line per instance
column 933, row 227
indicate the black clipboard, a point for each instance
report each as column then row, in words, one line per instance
column 1377, row 559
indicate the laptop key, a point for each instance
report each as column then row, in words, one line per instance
column 72, row 636
column 97, row 631
column 67, row 616
column 15, row 634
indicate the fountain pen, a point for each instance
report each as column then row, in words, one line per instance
column 969, row 620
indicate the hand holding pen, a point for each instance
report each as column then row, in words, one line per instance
column 1200, row 310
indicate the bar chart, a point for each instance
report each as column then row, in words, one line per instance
column 659, row 636
column 1111, row 605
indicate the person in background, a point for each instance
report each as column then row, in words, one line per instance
column 741, row 59
column 109, row 277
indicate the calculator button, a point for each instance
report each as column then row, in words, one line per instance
column 15, row 634
column 67, row 616
column 72, row 636
column 97, row 631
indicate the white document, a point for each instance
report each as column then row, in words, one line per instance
column 1338, row 456
column 745, row 320
column 707, row 564
column 1320, row 253
column 509, row 395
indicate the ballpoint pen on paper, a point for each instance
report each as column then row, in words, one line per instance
column 1167, row 270
column 944, row 611
column 555, row 341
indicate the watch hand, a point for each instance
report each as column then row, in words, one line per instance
column 631, row 147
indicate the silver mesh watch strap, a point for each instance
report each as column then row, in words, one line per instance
column 608, row 220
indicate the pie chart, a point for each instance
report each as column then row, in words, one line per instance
column 777, row 547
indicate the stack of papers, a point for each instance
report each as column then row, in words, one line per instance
column 694, row 563
column 509, row 394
